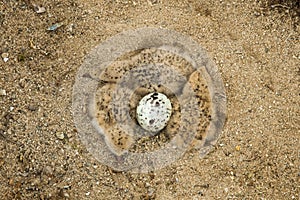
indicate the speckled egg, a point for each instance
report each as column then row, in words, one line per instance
column 154, row 111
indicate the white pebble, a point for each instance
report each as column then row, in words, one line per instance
column 60, row 135
column 2, row 92
column 5, row 56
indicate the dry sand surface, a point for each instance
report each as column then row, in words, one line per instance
column 255, row 46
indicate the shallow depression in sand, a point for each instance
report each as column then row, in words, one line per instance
column 112, row 82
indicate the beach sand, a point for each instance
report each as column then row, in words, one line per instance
column 255, row 47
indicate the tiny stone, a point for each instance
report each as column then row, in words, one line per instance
column 66, row 195
column 32, row 107
column 48, row 170
column 60, row 135
column 151, row 191
column 2, row 92
column 39, row 9
column 69, row 135
column 5, row 56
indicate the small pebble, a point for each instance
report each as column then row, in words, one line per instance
column 151, row 191
column 5, row 56
column 55, row 26
column 70, row 28
column 60, row 135
column 66, row 195
column 48, row 170
column 39, row 9
column 69, row 135
column 32, row 107
column 2, row 92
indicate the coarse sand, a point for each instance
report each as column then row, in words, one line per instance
column 255, row 46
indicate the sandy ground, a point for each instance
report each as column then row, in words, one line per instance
column 255, row 47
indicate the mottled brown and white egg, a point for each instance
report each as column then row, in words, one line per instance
column 154, row 111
